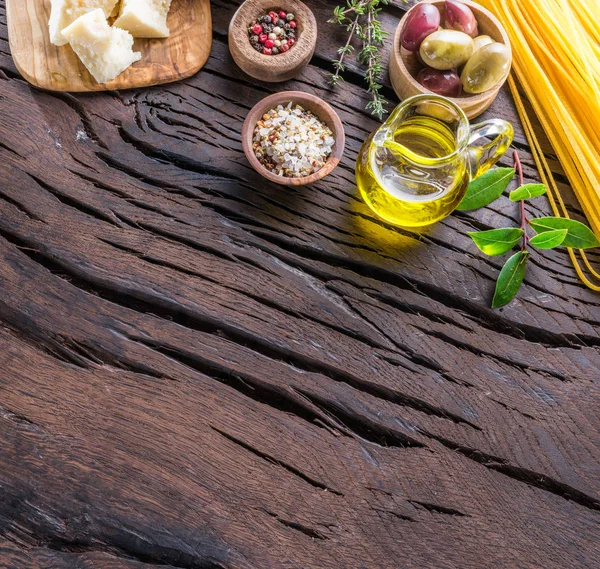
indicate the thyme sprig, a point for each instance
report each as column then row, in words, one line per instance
column 360, row 17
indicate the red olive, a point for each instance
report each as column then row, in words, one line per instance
column 460, row 17
column 442, row 82
column 422, row 20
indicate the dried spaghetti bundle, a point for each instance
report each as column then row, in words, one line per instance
column 556, row 58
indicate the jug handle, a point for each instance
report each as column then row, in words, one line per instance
column 482, row 158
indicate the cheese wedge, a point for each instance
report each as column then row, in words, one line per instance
column 144, row 18
column 106, row 52
column 65, row 12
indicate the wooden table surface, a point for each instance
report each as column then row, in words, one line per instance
column 200, row 369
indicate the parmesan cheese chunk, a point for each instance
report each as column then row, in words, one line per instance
column 65, row 12
column 144, row 18
column 106, row 52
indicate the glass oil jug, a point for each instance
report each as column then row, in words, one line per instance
column 415, row 169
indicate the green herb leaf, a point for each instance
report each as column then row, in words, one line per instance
column 510, row 279
column 579, row 236
column 549, row 239
column 496, row 241
column 527, row 191
column 486, row 189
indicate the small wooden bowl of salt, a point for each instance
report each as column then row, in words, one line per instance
column 293, row 138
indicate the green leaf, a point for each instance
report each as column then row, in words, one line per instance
column 487, row 188
column 510, row 279
column 496, row 241
column 549, row 239
column 527, row 191
column 579, row 236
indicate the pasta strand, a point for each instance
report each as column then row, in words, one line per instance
column 556, row 59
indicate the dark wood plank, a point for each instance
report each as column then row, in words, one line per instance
column 204, row 370
column 42, row 558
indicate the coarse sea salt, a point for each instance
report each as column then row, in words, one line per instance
column 291, row 141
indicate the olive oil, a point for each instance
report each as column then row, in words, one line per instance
column 414, row 174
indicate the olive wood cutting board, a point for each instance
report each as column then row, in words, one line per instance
column 58, row 68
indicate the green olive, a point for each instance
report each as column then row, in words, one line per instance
column 480, row 41
column 446, row 49
column 488, row 67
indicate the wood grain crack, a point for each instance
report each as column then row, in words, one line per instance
column 20, row 207
column 75, row 203
column 479, row 352
column 314, row 483
column 437, row 509
column 251, row 387
column 524, row 475
column 362, row 427
column 310, row 532
column 74, row 103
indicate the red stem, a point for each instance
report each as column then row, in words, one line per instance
column 524, row 219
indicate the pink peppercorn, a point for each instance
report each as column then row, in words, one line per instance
column 262, row 34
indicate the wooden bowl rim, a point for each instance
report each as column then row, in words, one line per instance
column 304, row 47
column 323, row 111
column 473, row 99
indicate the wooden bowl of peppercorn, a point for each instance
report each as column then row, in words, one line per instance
column 319, row 108
column 285, row 64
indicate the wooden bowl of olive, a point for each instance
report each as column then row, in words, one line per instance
column 467, row 60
